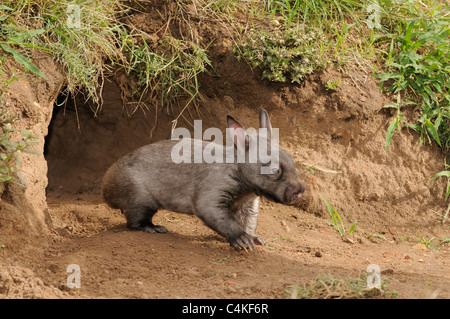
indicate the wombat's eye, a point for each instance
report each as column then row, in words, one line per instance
column 276, row 170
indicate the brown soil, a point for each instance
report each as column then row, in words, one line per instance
column 339, row 135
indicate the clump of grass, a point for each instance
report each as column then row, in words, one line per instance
column 88, row 52
column 420, row 72
column 333, row 85
column 428, row 242
column 283, row 55
column 317, row 12
column 83, row 40
column 329, row 287
column 89, row 41
column 169, row 74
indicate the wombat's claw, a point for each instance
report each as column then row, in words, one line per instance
column 243, row 242
column 258, row 241
column 155, row 229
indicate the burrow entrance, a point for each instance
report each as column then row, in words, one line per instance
column 80, row 147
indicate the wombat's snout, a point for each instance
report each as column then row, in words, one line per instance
column 294, row 192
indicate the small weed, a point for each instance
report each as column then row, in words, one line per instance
column 397, row 122
column 333, row 85
column 445, row 240
column 428, row 242
column 311, row 169
column 329, row 287
column 22, row 60
column 10, row 151
column 336, row 220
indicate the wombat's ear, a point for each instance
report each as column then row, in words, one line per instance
column 237, row 133
column 264, row 122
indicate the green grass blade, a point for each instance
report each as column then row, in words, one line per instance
column 446, row 174
column 353, row 227
column 432, row 130
column 23, row 60
column 442, row 173
column 390, row 132
column 335, row 217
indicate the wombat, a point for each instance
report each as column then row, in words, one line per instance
column 224, row 194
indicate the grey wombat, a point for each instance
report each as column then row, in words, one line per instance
column 224, row 195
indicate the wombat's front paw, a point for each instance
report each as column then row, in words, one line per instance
column 245, row 241
column 258, row 241
column 155, row 229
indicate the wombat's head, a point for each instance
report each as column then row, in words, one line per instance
column 267, row 169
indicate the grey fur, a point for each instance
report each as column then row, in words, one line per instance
column 224, row 195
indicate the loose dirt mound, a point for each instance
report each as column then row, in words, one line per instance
column 337, row 142
column 18, row 282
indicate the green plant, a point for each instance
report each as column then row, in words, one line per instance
column 398, row 120
column 428, row 242
column 445, row 240
column 10, row 151
column 333, row 85
column 336, row 220
column 421, row 71
column 311, row 169
column 283, row 55
column 317, row 12
column 11, row 36
column 329, row 287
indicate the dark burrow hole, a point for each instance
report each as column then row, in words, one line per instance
column 80, row 147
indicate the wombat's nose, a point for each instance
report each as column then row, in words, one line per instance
column 297, row 193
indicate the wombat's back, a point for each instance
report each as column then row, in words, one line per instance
column 125, row 177
column 150, row 172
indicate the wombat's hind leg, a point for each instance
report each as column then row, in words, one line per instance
column 140, row 218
